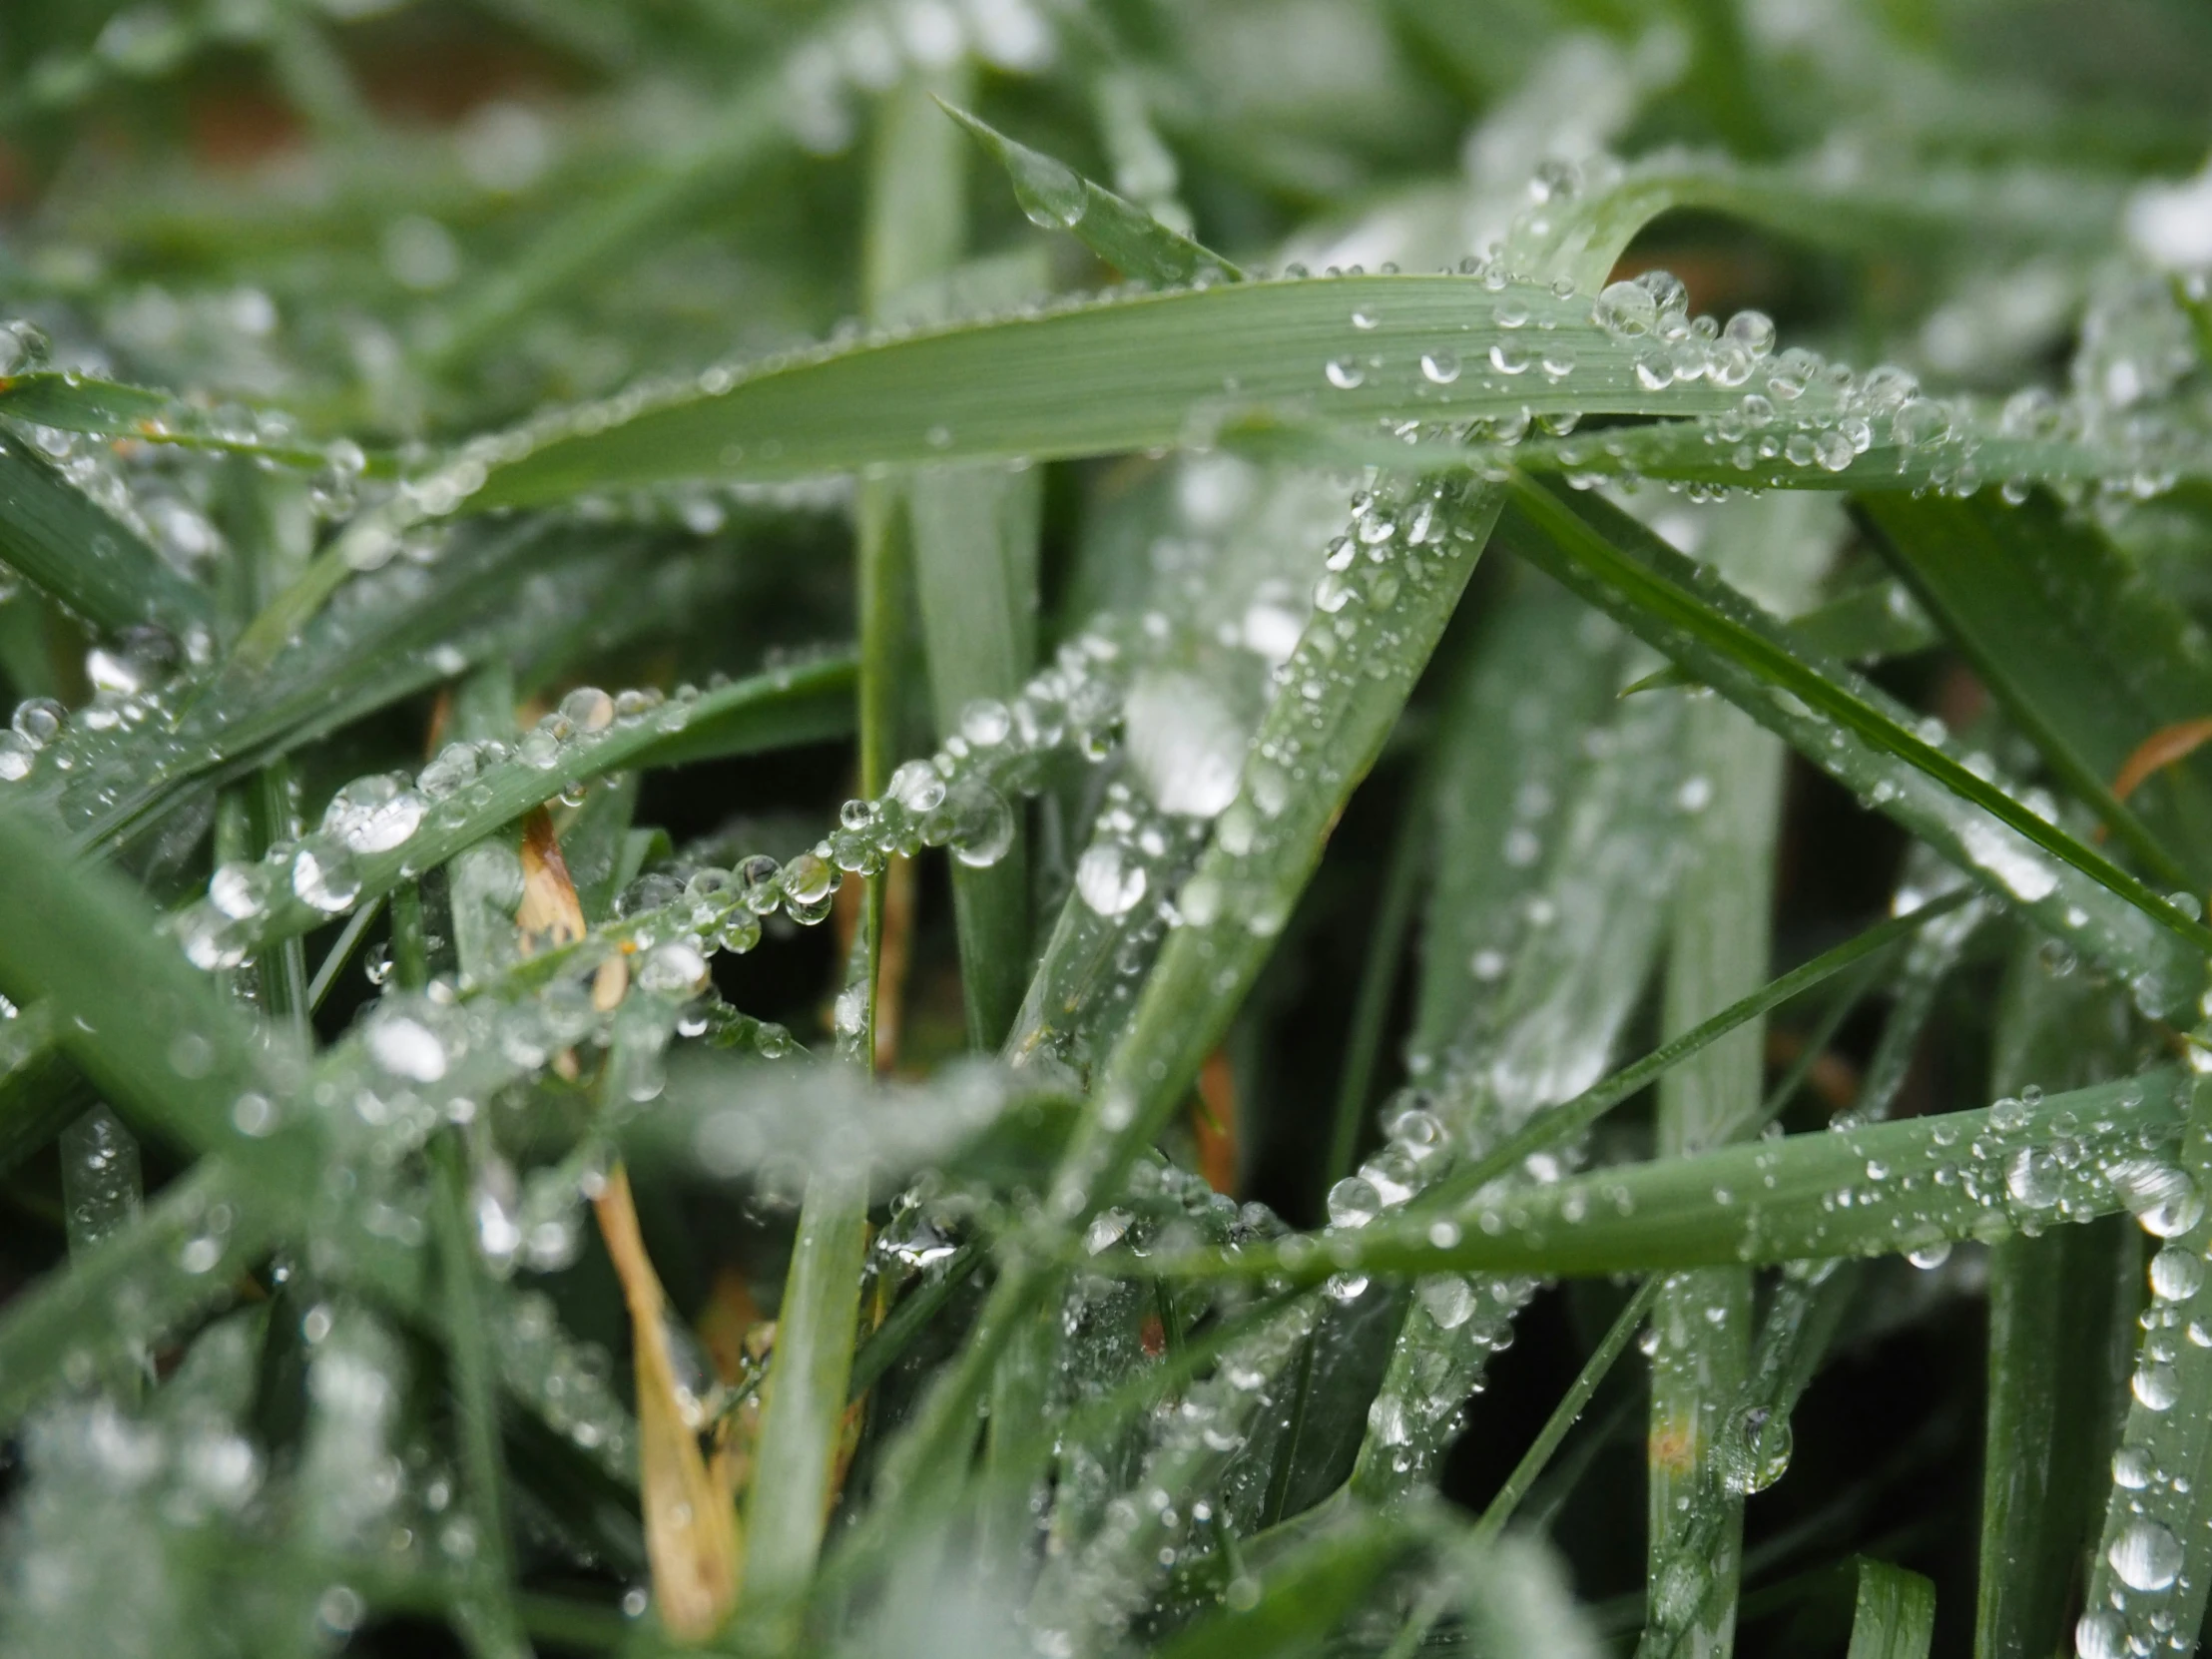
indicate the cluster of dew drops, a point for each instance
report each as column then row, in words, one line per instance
column 1795, row 407
column 958, row 799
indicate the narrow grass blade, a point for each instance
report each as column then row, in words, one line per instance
column 84, row 557
column 104, row 408
column 1871, row 624
column 1719, row 947
column 2058, row 1336
column 1302, row 1597
column 1241, row 893
column 1576, row 980
column 487, row 1613
column 780, row 707
column 146, row 1282
column 1772, row 1202
column 154, row 1035
column 1573, row 1116
column 1056, row 197
column 2085, row 654
column 2150, row 1571
column 1499, row 1511
column 1894, row 1616
column 1850, row 730
column 1095, row 378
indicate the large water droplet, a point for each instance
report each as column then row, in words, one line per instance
column 2146, row 1556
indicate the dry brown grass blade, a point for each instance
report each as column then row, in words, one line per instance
column 2158, row 751
column 1213, row 1123
column 691, row 1524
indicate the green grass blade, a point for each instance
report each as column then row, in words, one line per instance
column 804, row 1414
column 487, row 1613
column 1500, row 1510
column 147, row 1281
column 1767, row 1203
column 2086, row 656
column 1851, row 731
column 1586, row 235
column 2149, row 1573
column 1147, row 371
column 1871, row 624
column 84, row 557
column 1894, row 1616
column 2059, row 1336
column 1573, row 1116
column 178, row 1063
column 1302, row 1597
column 103, row 408
column 1056, row 197
column 1718, row 952
column 1576, row 981
column 766, row 710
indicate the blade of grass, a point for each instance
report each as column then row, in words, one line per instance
column 1578, row 976
column 1140, row 372
column 1766, row 1203
column 486, row 1615
column 1894, row 1616
column 1234, row 906
column 766, row 711
column 1850, row 730
column 1056, row 197
column 84, row 557
column 2058, row 1335
column 2084, row 655
column 1719, row 947
column 2148, row 1575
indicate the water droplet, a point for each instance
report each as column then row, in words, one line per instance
column 1755, row 1451
column 407, row 1048
column 2146, row 1556
column 1439, row 367
column 1110, row 882
column 1625, row 308
column 2156, row 1385
column 2032, row 1178
column 1353, row 1202
column 2160, row 1196
column 1051, row 194
column 1930, row 1256
column 323, row 876
column 1343, row 373
column 2176, row 1273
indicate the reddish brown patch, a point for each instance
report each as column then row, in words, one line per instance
column 1214, row 1122
column 1152, row 1335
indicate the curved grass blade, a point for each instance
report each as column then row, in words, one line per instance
column 1238, row 900
column 1056, row 197
column 1894, row 1616
column 1980, row 1174
column 1304, row 1596
column 1569, row 1119
column 766, row 710
column 2081, row 650
column 101, row 408
column 1851, row 730
column 1584, row 235
column 1093, row 377
column 85, row 558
